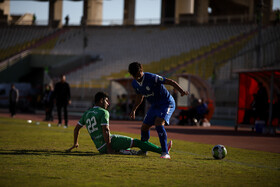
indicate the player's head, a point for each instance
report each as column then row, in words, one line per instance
column 62, row 78
column 101, row 99
column 136, row 70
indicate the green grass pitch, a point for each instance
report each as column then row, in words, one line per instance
column 34, row 155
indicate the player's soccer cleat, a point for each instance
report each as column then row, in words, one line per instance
column 165, row 156
column 142, row 153
column 169, row 145
column 59, row 124
column 65, row 126
column 125, row 152
column 133, row 152
column 128, row 152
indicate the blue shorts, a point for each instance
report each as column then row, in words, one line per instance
column 163, row 111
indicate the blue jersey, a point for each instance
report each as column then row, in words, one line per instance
column 153, row 89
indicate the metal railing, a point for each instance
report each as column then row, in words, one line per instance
column 150, row 21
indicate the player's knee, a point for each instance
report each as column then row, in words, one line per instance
column 159, row 122
column 145, row 127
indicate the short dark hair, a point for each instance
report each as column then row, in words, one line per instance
column 99, row 96
column 134, row 68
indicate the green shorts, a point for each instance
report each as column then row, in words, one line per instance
column 118, row 142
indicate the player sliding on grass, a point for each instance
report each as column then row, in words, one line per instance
column 96, row 121
column 162, row 103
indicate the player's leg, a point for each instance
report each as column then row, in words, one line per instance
column 159, row 124
column 58, row 106
column 165, row 147
column 51, row 112
column 145, row 128
column 65, row 115
column 145, row 132
column 163, row 115
column 146, row 146
column 147, row 123
column 119, row 142
column 13, row 108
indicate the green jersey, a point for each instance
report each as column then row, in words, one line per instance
column 94, row 119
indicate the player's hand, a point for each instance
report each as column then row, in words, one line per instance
column 74, row 146
column 185, row 93
column 132, row 114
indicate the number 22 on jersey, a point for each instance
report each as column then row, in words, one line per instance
column 91, row 124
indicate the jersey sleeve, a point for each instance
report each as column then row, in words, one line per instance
column 159, row 79
column 105, row 118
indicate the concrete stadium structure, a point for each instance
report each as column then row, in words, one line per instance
column 171, row 11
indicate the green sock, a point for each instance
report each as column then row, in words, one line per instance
column 147, row 146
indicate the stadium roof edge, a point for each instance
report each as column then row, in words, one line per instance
column 256, row 70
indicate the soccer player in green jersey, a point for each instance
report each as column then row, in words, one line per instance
column 96, row 120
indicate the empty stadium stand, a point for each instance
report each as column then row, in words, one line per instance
column 213, row 52
column 14, row 40
column 118, row 46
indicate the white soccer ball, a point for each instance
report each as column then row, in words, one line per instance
column 219, row 151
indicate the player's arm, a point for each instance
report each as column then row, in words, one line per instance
column 138, row 101
column 106, row 135
column 176, row 86
column 76, row 136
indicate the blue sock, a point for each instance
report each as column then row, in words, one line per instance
column 162, row 138
column 145, row 135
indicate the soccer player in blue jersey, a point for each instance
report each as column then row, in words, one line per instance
column 151, row 86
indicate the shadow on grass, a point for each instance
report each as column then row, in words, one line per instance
column 205, row 159
column 44, row 152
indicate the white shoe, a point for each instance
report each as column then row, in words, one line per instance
column 165, row 155
column 128, row 152
column 65, row 127
column 169, row 145
column 125, row 152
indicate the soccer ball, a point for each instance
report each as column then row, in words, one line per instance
column 219, row 151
